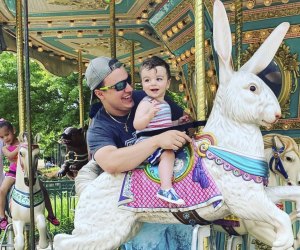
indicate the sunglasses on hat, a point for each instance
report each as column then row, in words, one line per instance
column 119, row 85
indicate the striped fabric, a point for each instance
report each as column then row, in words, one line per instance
column 162, row 118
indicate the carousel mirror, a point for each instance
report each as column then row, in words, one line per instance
column 278, row 80
column 280, row 75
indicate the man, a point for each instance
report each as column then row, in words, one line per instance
column 111, row 137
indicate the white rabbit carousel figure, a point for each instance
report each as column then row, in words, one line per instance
column 243, row 103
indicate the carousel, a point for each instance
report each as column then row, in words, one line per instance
column 212, row 47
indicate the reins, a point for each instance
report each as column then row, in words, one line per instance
column 182, row 127
column 278, row 166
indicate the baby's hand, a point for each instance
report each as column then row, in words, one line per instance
column 183, row 119
column 153, row 109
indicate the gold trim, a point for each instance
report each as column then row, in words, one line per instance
column 200, row 60
column 20, row 66
column 80, row 87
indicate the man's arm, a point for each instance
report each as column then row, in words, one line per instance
column 116, row 160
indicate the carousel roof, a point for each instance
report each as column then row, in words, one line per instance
column 59, row 28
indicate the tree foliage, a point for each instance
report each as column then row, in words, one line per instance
column 54, row 100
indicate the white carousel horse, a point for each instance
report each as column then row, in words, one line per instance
column 20, row 205
column 286, row 168
column 242, row 104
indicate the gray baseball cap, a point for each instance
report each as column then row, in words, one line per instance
column 98, row 69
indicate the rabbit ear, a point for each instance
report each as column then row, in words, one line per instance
column 222, row 40
column 266, row 52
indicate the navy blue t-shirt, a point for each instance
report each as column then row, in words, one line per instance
column 104, row 131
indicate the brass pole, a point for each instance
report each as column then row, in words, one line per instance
column 199, row 59
column 112, row 15
column 28, row 123
column 20, row 66
column 81, row 106
column 132, row 64
column 238, row 31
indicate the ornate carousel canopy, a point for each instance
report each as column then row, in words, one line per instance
column 60, row 28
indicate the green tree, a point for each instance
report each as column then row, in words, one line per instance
column 54, row 100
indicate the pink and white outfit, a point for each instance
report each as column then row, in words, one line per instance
column 162, row 119
column 13, row 165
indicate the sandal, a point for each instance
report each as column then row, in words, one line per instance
column 53, row 220
column 3, row 223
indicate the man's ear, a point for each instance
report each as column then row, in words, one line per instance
column 99, row 94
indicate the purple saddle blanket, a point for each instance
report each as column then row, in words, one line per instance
column 140, row 186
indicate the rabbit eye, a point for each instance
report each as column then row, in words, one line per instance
column 252, row 88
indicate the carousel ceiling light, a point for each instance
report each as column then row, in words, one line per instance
column 213, row 87
column 142, row 31
column 169, row 33
column 187, row 53
column 193, row 50
column 165, row 37
column 140, row 59
column 94, row 22
column 51, row 53
column 180, row 25
column 232, row 6
column 79, row 33
column 59, row 34
column 121, row 32
column 248, row 35
column 72, row 22
column 284, row 1
column 40, row 49
column 30, row 43
column 138, row 20
column 49, row 24
column 210, row 73
column 100, row 32
column 62, row 58
column 181, row 87
column 39, row 34
column 250, row 4
column 267, row 2
column 175, row 29
column 144, row 14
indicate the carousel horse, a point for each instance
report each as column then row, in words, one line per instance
column 282, row 155
column 229, row 159
column 20, row 204
column 76, row 153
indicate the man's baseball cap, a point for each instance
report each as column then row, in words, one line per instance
column 98, row 69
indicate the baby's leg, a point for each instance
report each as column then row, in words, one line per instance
column 165, row 169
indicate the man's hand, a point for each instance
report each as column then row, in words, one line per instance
column 172, row 139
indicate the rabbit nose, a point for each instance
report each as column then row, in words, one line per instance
column 278, row 116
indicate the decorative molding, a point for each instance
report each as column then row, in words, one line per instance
column 268, row 13
column 83, row 4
